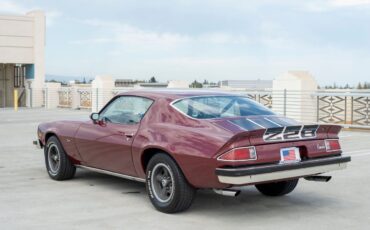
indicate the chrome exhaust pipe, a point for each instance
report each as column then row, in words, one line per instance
column 318, row 178
column 227, row 192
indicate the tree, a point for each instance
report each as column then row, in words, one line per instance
column 205, row 82
column 196, row 84
column 152, row 80
column 359, row 86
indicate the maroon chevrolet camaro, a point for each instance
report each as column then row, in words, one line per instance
column 180, row 141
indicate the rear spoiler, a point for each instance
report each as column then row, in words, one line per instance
column 282, row 134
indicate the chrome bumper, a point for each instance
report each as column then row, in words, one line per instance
column 264, row 173
column 37, row 144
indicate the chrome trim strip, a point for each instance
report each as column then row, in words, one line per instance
column 112, row 173
column 265, row 177
column 273, row 122
column 256, row 123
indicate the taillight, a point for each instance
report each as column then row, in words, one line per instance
column 332, row 145
column 239, row 154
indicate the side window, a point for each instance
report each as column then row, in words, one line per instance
column 126, row 110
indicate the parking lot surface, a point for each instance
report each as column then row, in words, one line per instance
column 29, row 199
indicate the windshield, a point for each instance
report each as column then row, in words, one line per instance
column 206, row 107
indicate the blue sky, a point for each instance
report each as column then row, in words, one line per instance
column 212, row 39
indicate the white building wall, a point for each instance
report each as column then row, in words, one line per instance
column 292, row 96
column 38, row 57
column 101, row 92
column 22, row 41
column 16, row 39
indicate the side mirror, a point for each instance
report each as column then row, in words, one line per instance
column 94, row 117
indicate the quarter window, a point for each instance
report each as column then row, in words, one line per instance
column 126, row 110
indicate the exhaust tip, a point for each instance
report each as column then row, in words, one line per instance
column 227, row 192
column 318, row 178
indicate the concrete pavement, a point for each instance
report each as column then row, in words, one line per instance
column 30, row 199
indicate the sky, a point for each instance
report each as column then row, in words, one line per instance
column 205, row 39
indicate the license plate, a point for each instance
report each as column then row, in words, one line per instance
column 289, row 155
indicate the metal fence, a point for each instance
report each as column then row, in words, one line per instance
column 350, row 108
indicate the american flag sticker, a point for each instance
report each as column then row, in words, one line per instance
column 289, row 155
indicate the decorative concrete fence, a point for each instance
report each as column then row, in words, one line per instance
column 348, row 108
column 74, row 97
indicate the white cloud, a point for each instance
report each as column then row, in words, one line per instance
column 14, row 8
column 343, row 3
column 11, row 7
column 328, row 5
column 52, row 16
column 130, row 35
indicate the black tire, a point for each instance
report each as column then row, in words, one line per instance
column 280, row 188
column 58, row 164
column 178, row 194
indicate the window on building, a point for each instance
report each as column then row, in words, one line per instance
column 19, row 76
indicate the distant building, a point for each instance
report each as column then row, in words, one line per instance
column 211, row 85
column 179, row 84
column 151, row 85
column 124, row 83
column 138, row 84
column 246, row 84
column 22, row 58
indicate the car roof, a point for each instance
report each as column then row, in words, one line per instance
column 175, row 93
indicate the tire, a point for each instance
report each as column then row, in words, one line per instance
column 58, row 164
column 166, row 185
column 280, row 188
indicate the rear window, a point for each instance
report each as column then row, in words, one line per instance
column 206, row 107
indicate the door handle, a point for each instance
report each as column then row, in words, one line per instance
column 129, row 135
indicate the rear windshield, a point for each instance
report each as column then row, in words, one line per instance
column 206, row 107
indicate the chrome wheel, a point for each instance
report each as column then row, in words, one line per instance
column 162, row 182
column 53, row 158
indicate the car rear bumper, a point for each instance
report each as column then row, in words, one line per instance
column 264, row 173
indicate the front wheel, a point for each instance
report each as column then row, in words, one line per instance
column 277, row 188
column 58, row 165
column 167, row 187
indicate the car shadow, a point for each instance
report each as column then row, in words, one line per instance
column 208, row 203
column 252, row 203
column 119, row 184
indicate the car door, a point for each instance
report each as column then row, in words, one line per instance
column 107, row 144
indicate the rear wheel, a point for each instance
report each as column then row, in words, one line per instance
column 58, row 165
column 277, row 188
column 167, row 187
